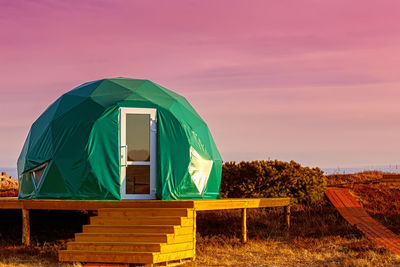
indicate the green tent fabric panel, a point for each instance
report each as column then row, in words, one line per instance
column 185, row 116
column 131, row 84
column 103, row 154
column 106, row 97
column 40, row 126
column 67, row 102
column 55, row 186
column 79, row 136
column 22, row 156
column 173, row 148
column 85, row 89
column 153, row 94
column 26, row 186
column 43, row 150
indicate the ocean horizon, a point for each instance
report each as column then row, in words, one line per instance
column 382, row 168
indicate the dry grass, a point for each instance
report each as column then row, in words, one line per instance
column 21, row 256
column 318, row 236
column 8, row 186
column 326, row 251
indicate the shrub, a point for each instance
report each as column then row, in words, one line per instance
column 258, row 179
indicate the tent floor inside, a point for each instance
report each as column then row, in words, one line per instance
column 134, row 235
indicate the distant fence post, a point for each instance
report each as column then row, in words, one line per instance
column 26, row 228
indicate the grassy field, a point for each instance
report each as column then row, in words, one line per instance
column 318, row 235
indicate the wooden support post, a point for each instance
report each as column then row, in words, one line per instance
column 26, row 228
column 194, row 234
column 287, row 216
column 244, row 225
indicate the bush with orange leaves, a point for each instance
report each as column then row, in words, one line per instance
column 8, row 186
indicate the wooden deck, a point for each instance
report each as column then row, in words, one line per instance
column 198, row 205
column 138, row 231
column 352, row 212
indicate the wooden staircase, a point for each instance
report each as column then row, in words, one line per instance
column 138, row 235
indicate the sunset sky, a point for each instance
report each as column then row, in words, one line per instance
column 317, row 81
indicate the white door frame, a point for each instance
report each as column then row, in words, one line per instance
column 153, row 152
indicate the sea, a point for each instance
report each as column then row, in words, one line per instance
column 382, row 168
column 338, row 170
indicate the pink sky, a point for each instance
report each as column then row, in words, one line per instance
column 317, row 81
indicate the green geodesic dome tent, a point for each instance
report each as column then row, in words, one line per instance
column 119, row 138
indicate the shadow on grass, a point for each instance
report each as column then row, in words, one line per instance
column 46, row 226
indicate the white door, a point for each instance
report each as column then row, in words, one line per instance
column 138, row 128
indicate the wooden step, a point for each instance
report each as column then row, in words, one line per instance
column 139, row 235
column 165, row 257
column 115, row 246
column 146, row 212
column 133, row 237
column 103, row 256
column 164, row 229
column 131, row 220
column 122, row 237
column 129, row 246
column 95, row 228
column 141, row 220
column 122, row 257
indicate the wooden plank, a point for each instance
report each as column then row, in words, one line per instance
column 165, row 257
column 165, row 229
column 181, row 239
column 10, row 203
column 103, row 256
column 273, row 202
column 145, row 212
column 26, row 228
column 351, row 210
column 97, row 204
column 194, row 233
column 133, row 237
column 176, row 247
column 115, row 246
column 123, row 237
column 244, row 225
column 111, row 220
column 221, row 204
column 184, row 230
column 92, row 264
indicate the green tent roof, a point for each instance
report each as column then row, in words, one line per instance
column 77, row 139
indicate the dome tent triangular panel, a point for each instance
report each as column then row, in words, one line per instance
column 119, row 138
